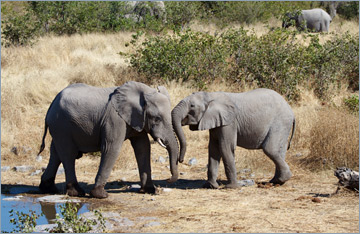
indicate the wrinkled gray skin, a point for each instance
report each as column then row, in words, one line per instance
column 258, row 119
column 137, row 10
column 315, row 20
column 84, row 119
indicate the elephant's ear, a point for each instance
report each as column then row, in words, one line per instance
column 128, row 101
column 163, row 90
column 220, row 112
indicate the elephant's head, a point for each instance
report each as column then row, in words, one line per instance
column 291, row 19
column 202, row 111
column 148, row 109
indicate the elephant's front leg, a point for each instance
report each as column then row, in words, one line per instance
column 227, row 143
column 109, row 154
column 141, row 145
column 213, row 164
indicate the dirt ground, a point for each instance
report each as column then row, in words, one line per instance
column 303, row 204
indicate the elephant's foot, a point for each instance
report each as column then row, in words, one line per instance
column 232, row 185
column 74, row 190
column 99, row 192
column 281, row 179
column 173, row 179
column 148, row 189
column 211, row 185
column 48, row 186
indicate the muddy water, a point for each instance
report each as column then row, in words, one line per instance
column 24, row 204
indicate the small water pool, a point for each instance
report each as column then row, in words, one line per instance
column 24, row 203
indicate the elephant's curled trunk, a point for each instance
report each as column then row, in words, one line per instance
column 178, row 114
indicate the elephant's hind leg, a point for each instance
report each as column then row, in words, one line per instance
column 68, row 152
column 47, row 184
column 275, row 148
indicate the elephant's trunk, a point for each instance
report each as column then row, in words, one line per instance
column 173, row 150
column 178, row 114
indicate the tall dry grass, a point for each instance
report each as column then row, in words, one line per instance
column 335, row 141
column 32, row 76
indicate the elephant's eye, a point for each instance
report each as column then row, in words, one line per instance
column 157, row 119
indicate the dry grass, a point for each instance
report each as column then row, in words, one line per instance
column 31, row 77
column 335, row 141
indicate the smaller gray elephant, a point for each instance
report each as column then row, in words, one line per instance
column 258, row 119
column 316, row 20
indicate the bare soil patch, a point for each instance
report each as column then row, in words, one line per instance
column 303, row 204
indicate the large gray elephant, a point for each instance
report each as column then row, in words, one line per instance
column 258, row 119
column 314, row 20
column 83, row 119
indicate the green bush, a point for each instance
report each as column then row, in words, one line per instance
column 36, row 18
column 187, row 56
column 270, row 61
column 69, row 17
column 19, row 29
column 23, row 222
column 68, row 222
column 180, row 13
column 349, row 10
column 276, row 60
column 72, row 223
column 352, row 103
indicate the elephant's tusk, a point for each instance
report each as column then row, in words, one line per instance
column 160, row 143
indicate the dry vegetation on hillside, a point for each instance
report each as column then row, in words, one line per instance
column 32, row 76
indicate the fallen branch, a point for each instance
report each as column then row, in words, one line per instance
column 347, row 178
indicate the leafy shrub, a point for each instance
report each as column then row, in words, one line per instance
column 71, row 222
column 337, row 60
column 269, row 61
column 349, row 10
column 69, row 17
column 276, row 60
column 352, row 103
column 23, row 222
column 180, row 13
column 19, row 29
column 188, row 56
column 62, row 17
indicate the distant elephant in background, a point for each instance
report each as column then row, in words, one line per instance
column 137, row 10
column 315, row 20
column 258, row 119
column 83, row 119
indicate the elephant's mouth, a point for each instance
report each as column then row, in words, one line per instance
column 194, row 127
column 184, row 121
column 158, row 140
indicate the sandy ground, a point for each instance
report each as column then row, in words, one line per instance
column 303, row 204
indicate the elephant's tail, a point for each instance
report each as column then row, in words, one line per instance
column 292, row 133
column 43, row 139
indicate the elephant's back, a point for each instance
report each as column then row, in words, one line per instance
column 262, row 102
column 316, row 14
column 78, row 102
